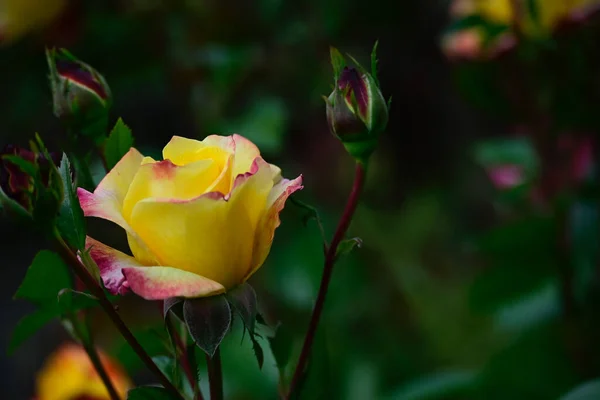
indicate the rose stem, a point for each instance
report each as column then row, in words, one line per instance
column 89, row 281
column 215, row 375
column 184, row 358
column 330, row 258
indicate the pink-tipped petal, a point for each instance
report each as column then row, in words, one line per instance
column 121, row 272
column 270, row 221
column 107, row 200
column 245, row 154
column 110, row 263
column 159, row 283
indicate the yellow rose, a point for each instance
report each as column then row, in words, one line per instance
column 68, row 374
column 198, row 223
column 18, row 17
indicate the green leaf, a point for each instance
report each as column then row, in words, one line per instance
column 346, row 246
column 243, row 300
column 149, row 393
column 586, row 391
column 208, row 319
column 70, row 300
column 46, row 276
column 13, row 208
column 117, row 144
column 30, row 324
column 71, row 222
column 338, row 62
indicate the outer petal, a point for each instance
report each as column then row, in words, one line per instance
column 110, row 263
column 210, row 235
column 107, row 200
column 159, row 283
column 121, row 272
column 270, row 221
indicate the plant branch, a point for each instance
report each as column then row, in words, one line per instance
column 181, row 350
column 330, row 258
column 71, row 259
column 215, row 375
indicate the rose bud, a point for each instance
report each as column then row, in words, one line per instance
column 356, row 110
column 68, row 374
column 199, row 223
column 80, row 94
column 19, row 184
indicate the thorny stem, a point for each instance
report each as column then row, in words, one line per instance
column 184, row 359
column 330, row 258
column 89, row 281
column 215, row 375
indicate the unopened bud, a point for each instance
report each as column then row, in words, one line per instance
column 357, row 113
column 80, row 94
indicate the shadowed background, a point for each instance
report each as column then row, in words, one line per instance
column 457, row 292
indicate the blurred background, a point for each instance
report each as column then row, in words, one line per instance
column 478, row 277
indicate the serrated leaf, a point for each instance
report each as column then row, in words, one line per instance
column 46, row 276
column 346, row 246
column 586, row 391
column 117, row 144
column 150, row 393
column 71, row 222
column 338, row 62
column 258, row 351
column 243, row 300
column 208, row 319
column 30, row 324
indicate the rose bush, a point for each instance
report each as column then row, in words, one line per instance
column 198, row 223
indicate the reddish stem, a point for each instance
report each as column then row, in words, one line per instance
column 330, row 259
column 185, row 362
column 215, row 375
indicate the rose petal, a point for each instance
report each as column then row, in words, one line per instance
column 270, row 221
column 210, row 235
column 245, row 154
column 110, row 263
column 121, row 272
column 159, row 283
column 107, row 200
column 165, row 180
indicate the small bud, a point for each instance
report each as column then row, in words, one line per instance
column 356, row 110
column 23, row 172
column 79, row 93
